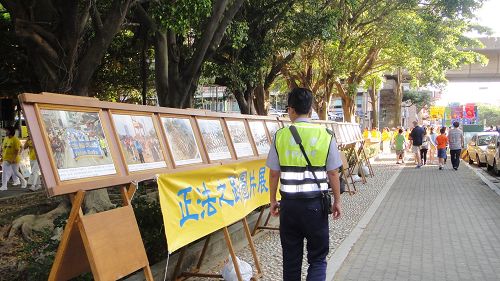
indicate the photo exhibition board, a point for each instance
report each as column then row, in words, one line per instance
column 259, row 136
column 336, row 131
column 139, row 142
column 181, row 140
column 239, row 137
column 352, row 128
column 214, row 139
column 84, row 143
column 77, row 143
column 350, row 132
column 343, row 133
column 272, row 128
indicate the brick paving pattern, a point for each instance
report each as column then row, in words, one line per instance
column 432, row 225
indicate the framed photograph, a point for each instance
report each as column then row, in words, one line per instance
column 259, row 136
column 239, row 136
column 181, row 140
column 359, row 135
column 272, row 128
column 77, row 143
column 139, row 142
column 343, row 133
column 214, row 139
column 350, row 132
column 336, row 130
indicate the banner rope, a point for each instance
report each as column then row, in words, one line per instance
column 166, row 267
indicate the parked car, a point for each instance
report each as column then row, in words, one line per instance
column 275, row 112
column 476, row 147
column 493, row 155
column 339, row 117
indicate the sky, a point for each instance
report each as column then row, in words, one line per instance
column 478, row 92
column 488, row 16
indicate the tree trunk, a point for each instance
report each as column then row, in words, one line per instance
column 398, row 99
column 242, row 102
column 64, row 60
column 184, row 70
column 349, row 108
column 322, row 113
column 144, row 66
column 62, row 57
column 375, row 101
column 261, row 100
column 320, row 105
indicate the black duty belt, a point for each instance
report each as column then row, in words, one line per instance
column 302, row 195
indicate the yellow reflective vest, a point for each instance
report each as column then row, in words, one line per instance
column 296, row 178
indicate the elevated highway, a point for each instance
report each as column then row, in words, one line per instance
column 477, row 72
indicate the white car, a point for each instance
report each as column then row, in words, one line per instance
column 476, row 148
column 493, row 155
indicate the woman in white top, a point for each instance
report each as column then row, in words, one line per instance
column 424, row 147
column 432, row 145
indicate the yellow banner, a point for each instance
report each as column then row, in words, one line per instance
column 436, row 112
column 197, row 203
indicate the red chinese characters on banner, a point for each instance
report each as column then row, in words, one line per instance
column 470, row 112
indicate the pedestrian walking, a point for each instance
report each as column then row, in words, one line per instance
column 432, row 145
column 34, row 179
column 424, row 147
column 366, row 133
column 11, row 151
column 386, row 141
column 456, row 141
column 305, row 173
column 399, row 145
column 416, row 137
column 442, row 142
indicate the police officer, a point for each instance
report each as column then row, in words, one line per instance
column 301, row 209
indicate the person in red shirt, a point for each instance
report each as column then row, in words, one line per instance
column 442, row 142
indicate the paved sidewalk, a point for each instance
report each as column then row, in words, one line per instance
column 432, row 225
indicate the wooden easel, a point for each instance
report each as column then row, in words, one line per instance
column 362, row 153
column 266, row 223
column 195, row 272
column 346, row 175
column 108, row 244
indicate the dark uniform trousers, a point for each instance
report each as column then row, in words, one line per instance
column 299, row 219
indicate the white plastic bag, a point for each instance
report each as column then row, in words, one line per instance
column 356, row 178
column 366, row 170
column 24, row 165
column 229, row 274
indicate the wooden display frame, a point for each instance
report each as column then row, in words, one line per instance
column 227, row 138
column 195, row 272
column 269, row 131
column 108, row 244
column 248, row 136
column 158, row 132
column 197, row 138
column 257, row 225
column 30, row 103
column 46, row 142
column 264, row 127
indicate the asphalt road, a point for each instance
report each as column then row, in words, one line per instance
column 488, row 175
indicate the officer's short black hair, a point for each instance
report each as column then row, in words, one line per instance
column 300, row 99
column 456, row 124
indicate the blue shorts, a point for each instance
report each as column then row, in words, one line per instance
column 442, row 153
